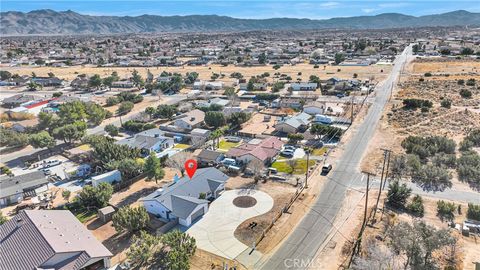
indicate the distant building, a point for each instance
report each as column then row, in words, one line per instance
column 192, row 119
column 303, row 86
column 18, row 100
column 293, row 124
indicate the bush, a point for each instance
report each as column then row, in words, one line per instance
column 445, row 210
column 130, row 219
column 413, row 103
column 431, row 177
column 111, row 129
column 461, row 82
column 468, row 167
column 113, row 101
column 428, row 74
column 125, row 107
column 473, row 211
column 471, row 82
column 428, row 146
column 465, row 93
column 446, row 103
column 398, row 194
column 416, row 206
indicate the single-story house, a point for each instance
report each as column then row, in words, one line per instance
column 50, row 239
column 192, row 119
column 13, row 189
column 123, row 84
column 147, row 143
column 186, row 199
column 22, row 126
column 264, row 150
column 315, row 107
column 215, row 101
column 303, row 86
column 204, row 85
column 294, row 123
column 47, row 81
column 18, row 100
column 207, row 157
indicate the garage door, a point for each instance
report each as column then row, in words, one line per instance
column 197, row 214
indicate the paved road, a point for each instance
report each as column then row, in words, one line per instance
column 298, row 251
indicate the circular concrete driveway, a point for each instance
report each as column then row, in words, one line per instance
column 214, row 232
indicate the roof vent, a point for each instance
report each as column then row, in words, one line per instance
column 19, row 222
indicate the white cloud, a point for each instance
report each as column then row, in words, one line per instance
column 329, row 4
column 369, row 10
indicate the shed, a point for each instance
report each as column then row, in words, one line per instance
column 105, row 214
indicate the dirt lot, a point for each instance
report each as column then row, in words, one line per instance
column 336, row 252
column 397, row 123
column 202, row 260
column 69, row 73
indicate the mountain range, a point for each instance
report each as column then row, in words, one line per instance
column 49, row 22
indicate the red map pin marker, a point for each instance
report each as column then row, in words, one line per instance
column 191, row 167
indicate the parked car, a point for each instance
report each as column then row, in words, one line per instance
column 287, row 153
column 47, row 171
column 232, row 139
column 326, row 168
column 52, row 163
column 289, row 147
column 340, row 95
column 272, row 170
column 229, row 162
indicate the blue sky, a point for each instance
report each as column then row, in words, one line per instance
column 244, row 9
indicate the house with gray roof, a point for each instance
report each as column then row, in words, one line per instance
column 18, row 100
column 13, row 189
column 50, row 239
column 186, row 199
column 293, row 124
column 148, row 141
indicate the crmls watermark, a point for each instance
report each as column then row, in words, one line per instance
column 300, row 263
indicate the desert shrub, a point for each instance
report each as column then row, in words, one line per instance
column 468, row 167
column 425, row 147
column 398, row 194
column 413, row 103
column 473, row 211
column 445, row 210
column 428, row 74
column 461, row 82
column 465, row 93
column 440, row 159
column 470, row 82
column 431, row 177
column 446, row 103
column 416, row 205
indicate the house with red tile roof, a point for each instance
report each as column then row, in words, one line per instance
column 262, row 149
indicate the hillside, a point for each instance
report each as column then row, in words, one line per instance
column 69, row 22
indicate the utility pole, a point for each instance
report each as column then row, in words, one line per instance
column 307, row 151
column 388, row 166
column 366, row 199
column 351, row 118
column 385, row 153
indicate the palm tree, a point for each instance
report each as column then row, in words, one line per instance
column 215, row 135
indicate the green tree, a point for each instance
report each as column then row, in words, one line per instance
column 398, row 194
column 294, row 138
column 71, row 112
column 215, row 119
column 95, row 81
column 125, row 107
column 105, row 150
column 42, row 140
column 166, row 111
column 473, row 211
column 339, row 57
column 128, row 167
column 95, row 113
column 236, row 119
column 71, row 132
column 153, row 168
column 179, row 247
column 112, row 130
column 130, row 219
column 150, row 111
column 445, row 210
column 95, row 197
column 11, row 138
column 137, row 79
column 416, row 206
column 143, row 248
column 66, row 194
column 108, row 81
column 5, row 75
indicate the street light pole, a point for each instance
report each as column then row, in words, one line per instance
column 306, row 172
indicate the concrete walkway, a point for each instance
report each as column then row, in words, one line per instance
column 214, row 232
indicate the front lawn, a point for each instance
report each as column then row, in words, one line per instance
column 225, row 146
column 319, row 151
column 299, row 168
